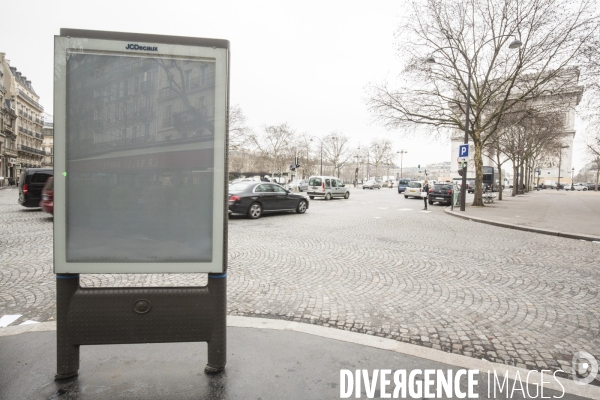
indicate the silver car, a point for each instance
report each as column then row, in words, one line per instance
column 301, row 184
column 371, row 184
column 327, row 187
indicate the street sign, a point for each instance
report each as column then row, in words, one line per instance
column 463, row 152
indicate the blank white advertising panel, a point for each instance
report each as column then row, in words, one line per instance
column 140, row 138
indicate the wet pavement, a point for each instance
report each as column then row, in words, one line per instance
column 262, row 364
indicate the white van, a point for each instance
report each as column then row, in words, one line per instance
column 327, row 187
column 413, row 189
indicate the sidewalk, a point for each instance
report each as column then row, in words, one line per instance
column 267, row 359
column 560, row 213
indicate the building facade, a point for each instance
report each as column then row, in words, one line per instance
column 48, row 142
column 562, row 93
column 8, row 133
column 22, row 148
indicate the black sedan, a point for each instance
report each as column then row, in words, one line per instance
column 442, row 193
column 255, row 198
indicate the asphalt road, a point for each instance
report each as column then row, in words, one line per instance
column 374, row 264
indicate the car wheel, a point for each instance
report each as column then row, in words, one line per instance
column 430, row 203
column 585, row 189
column 406, row 197
column 347, row 195
column 302, row 206
column 254, row 211
column 328, row 196
column 364, row 188
column 311, row 197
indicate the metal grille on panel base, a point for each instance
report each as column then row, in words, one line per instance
column 87, row 316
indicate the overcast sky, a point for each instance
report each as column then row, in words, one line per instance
column 305, row 63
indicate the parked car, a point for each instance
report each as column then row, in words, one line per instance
column 402, row 184
column 371, row 184
column 591, row 186
column 327, row 187
column 413, row 189
column 302, row 185
column 471, row 186
column 580, row 187
column 442, row 193
column 47, row 202
column 256, row 198
column 31, row 183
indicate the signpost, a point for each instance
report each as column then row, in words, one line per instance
column 140, row 139
column 463, row 152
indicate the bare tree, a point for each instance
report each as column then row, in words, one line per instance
column 593, row 150
column 379, row 151
column 274, row 145
column 470, row 41
column 528, row 134
column 337, row 151
column 238, row 128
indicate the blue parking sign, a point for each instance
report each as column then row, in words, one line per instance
column 463, row 150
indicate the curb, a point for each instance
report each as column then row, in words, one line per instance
column 549, row 232
column 456, row 360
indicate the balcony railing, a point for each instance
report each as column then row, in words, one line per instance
column 31, row 150
column 29, row 99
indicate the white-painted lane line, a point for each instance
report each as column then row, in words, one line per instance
column 426, row 212
column 29, row 322
column 405, row 209
column 6, row 320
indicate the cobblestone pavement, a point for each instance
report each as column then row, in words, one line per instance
column 374, row 264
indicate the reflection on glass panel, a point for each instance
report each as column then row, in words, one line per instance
column 139, row 159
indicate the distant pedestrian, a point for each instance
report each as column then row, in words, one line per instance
column 426, row 191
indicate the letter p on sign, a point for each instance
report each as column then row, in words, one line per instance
column 463, row 150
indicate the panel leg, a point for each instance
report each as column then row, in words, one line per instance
column 217, row 345
column 67, row 353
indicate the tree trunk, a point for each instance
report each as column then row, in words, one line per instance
column 521, row 169
column 597, row 176
column 500, row 186
column 527, row 169
column 515, row 180
column 478, row 200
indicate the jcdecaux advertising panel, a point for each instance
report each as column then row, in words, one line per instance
column 140, row 143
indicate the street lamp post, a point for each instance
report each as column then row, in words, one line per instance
column 322, row 140
column 402, row 152
column 572, row 176
column 513, row 45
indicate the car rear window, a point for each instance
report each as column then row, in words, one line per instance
column 403, row 182
column 315, row 182
column 39, row 177
column 443, row 187
column 414, row 184
column 240, row 186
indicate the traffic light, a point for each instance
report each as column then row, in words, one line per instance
column 419, row 167
column 292, row 167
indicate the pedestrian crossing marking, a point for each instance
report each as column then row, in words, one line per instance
column 29, row 322
column 6, row 320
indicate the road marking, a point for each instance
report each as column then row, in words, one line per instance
column 29, row 322
column 405, row 209
column 383, row 208
column 423, row 211
column 6, row 320
column 376, row 217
